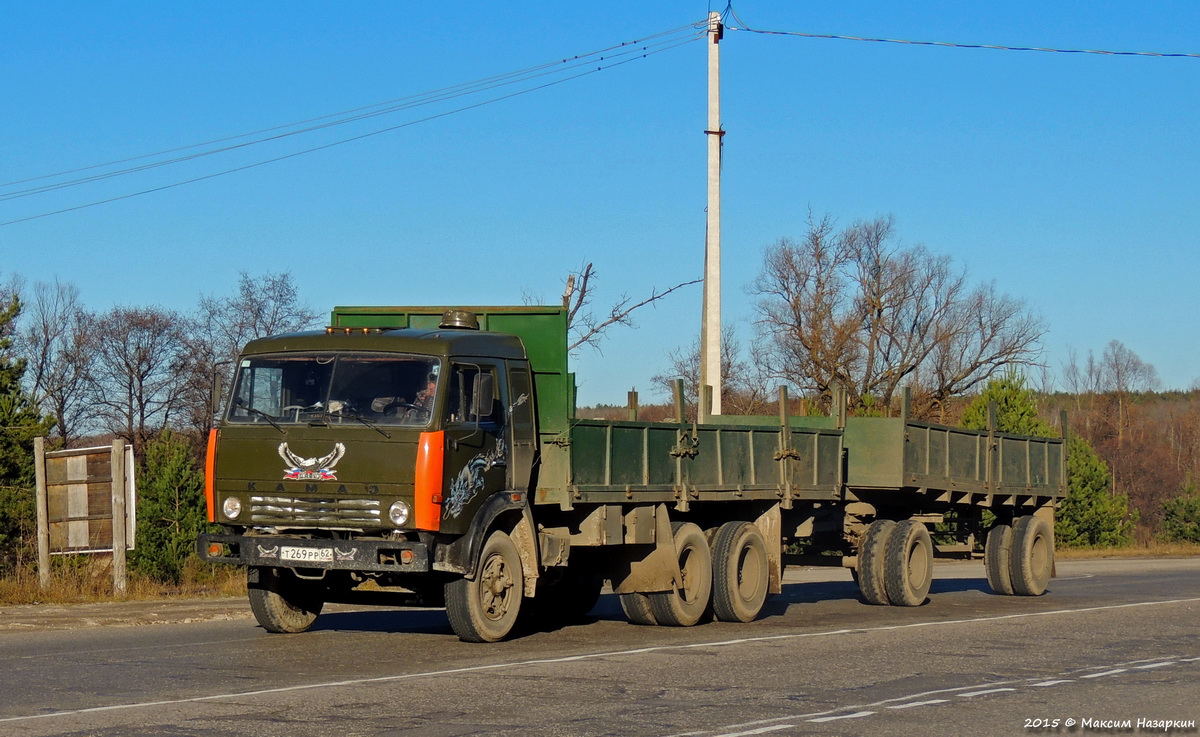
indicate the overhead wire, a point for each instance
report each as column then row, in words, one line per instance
column 994, row 47
column 665, row 46
column 415, row 101
column 359, row 113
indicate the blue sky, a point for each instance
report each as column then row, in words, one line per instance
column 1068, row 180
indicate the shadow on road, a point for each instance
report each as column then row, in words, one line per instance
column 434, row 622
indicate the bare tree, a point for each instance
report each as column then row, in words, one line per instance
column 587, row 328
column 1123, row 373
column 266, row 305
column 742, row 389
column 56, row 336
column 854, row 309
column 138, row 375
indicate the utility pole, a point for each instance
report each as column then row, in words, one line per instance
column 710, row 329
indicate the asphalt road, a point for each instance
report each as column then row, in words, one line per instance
column 1112, row 640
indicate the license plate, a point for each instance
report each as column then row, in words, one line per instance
column 306, row 554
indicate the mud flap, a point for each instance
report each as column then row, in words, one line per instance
column 646, row 569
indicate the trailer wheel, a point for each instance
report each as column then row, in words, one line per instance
column 282, row 603
column 998, row 558
column 686, row 605
column 1032, row 556
column 871, row 555
column 637, row 609
column 741, row 572
column 485, row 608
column 908, row 570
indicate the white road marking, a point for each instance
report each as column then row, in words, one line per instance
column 985, row 691
column 1054, row 683
column 761, row 730
column 855, row 715
column 1112, row 672
column 1154, row 665
column 325, row 685
column 1075, row 578
column 919, row 703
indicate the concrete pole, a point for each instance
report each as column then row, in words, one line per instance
column 118, row 508
column 43, row 512
column 710, row 329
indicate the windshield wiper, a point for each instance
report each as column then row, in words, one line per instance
column 327, row 415
column 369, row 424
column 265, row 416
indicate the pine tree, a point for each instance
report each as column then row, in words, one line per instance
column 170, row 511
column 1181, row 516
column 1091, row 515
column 20, row 422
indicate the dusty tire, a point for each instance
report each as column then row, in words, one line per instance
column 741, row 572
column 282, row 603
column 687, row 605
column 637, row 609
column 1032, row 556
column 485, row 608
column 908, row 569
column 871, row 558
column 997, row 558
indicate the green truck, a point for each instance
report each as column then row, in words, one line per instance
column 432, row 456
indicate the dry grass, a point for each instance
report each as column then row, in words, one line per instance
column 89, row 579
column 1151, row 549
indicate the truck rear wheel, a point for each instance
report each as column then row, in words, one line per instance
column 997, row 558
column 282, row 603
column 871, row 554
column 687, row 604
column 637, row 608
column 1032, row 556
column 741, row 572
column 909, row 566
column 485, row 608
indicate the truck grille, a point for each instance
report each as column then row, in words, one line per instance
column 286, row 510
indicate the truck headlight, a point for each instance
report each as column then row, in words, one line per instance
column 231, row 507
column 398, row 513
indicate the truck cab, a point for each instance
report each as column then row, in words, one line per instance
column 360, row 453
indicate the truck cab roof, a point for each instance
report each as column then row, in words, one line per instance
column 437, row 342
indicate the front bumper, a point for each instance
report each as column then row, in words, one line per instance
column 391, row 556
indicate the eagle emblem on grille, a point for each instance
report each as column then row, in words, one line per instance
column 311, row 469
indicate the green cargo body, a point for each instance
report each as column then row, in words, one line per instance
column 953, row 464
column 601, row 461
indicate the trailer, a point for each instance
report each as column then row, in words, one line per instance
column 432, row 455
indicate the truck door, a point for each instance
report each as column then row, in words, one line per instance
column 477, row 443
column 521, row 420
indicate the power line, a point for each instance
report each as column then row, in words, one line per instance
column 358, row 113
column 743, row 27
column 694, row 37
column 413, row 101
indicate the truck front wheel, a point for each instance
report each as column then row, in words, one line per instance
column 282, row 603
column 485, row 608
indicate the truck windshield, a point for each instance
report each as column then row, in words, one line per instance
column 380, row 389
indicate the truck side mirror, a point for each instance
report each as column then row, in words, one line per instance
column 483, row 395
column 218, row 389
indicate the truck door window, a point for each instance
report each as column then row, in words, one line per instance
column 462, row 388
